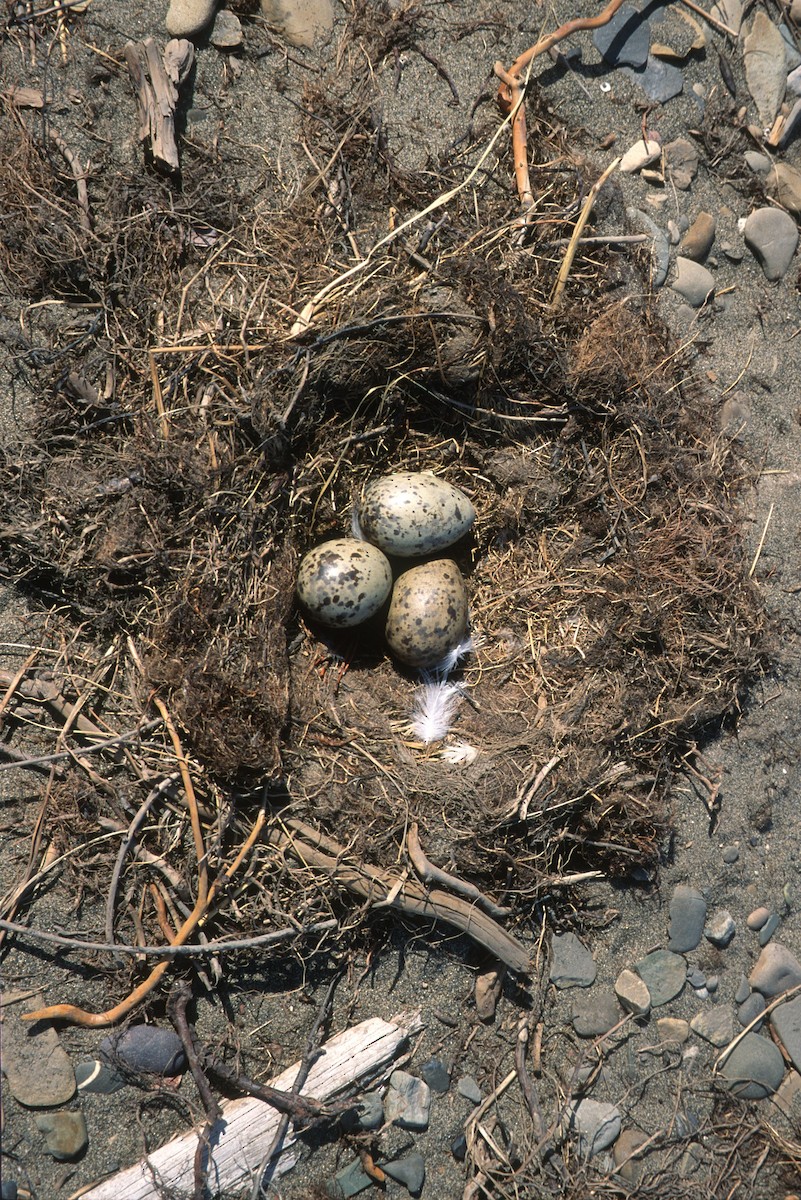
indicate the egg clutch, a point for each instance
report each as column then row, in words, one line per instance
column 346, row 581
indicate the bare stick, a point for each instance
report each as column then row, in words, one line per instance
column 511, row 95
column 435, row 875
column 584, row 216
column 186, row 950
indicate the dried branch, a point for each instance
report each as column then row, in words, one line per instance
column 384, row 888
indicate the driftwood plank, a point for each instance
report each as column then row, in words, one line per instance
column 245, row 1132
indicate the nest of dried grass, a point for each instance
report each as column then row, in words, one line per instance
column 186, row 451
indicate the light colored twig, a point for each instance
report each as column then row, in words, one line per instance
column 584, row 216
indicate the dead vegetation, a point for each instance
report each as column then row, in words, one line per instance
column 187, row 449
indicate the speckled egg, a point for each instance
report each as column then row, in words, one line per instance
column 343, row 582
column 428, row 614
column 412, row 515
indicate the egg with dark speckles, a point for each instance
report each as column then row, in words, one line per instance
column 428, row 613
column 413, row 514
column 343, row 582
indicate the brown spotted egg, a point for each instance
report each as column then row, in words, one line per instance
column 428, row 613
column 343, row 582
column 413, row 514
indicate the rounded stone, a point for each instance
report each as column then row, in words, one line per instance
column 756, row 919
column 427, row 616
column 97, row 1077
column 626, row 1147
column 343, row 582
column 768, row 929
column 673, row 1031
column 413, row 514
column 731, row 422
column 751, row 1009
column 772, row 237
column 187, row 18
column 687, row 917
column 697, row 241
column 65, row 1134
column 145, row 1048
column 754, row 1069
column 302, row 22
column 693, row 282
column 786, row 1022
column 776, row 970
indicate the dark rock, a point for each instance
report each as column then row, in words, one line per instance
column 349, row 1182
column 687, row 911
column 96, row 1076
column 664, row 974
column 660, row 81
column 768, row 929
column 459, row 1148
column 730, row 855
column 468, row 1088
column 625, row 40
column 743, row 991
column 754, row 1069
column 409, row 1170
column 367, row 1114
column 573, row 965
column 436, row 1075
column 148, row 1049
column 786, row 1022
column 750, row 1009
column 595, row 1014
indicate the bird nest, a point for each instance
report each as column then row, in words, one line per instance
column 207, row 424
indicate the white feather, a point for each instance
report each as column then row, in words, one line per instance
column 433, row 710
column 451, row 660
column 461, row 754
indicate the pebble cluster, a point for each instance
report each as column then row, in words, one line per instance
column 651, row 53
column 750, row 1064
column 346, row 581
